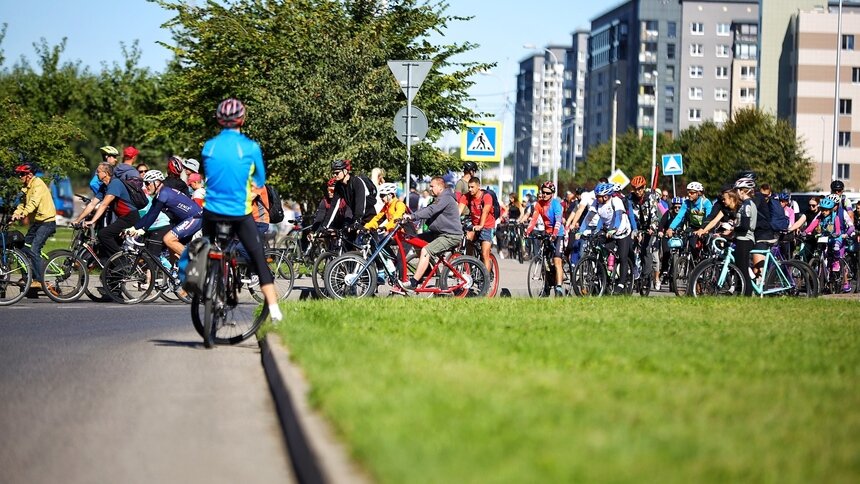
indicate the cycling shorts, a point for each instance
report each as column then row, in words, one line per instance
column 485, row 235
column 187, row 228
column 558, row 245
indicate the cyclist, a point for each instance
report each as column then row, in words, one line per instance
column 644, row 207
column 479, row 203
column 356, row 190
column 843, row 206
column 670, row 214
column 548, row 210
column 185, row 215
column 693, row 212
column 833, row 226
column 38, row 207
column 341, row 212
column 444, row 229
column 233, row 164
column 800, row 222
column 174, row 174
column 109, row 155
column 198, row 193
column 746, row 222
column 462, row 186
column 393, row 209
column 113, row 195
column 611, row 214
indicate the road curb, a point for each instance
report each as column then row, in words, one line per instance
column 317, row 456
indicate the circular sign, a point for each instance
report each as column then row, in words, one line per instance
column 419, row 125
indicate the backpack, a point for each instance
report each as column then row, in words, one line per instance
column 275, row 208
column 370, row 188
column 497, row 209
column 778, row 220
column 193, row 264
column 134, row 186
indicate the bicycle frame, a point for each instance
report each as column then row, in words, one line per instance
column 769, row 260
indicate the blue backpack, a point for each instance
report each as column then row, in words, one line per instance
column 778, row 220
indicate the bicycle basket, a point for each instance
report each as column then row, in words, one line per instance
column 14, row 239
column 675, row 243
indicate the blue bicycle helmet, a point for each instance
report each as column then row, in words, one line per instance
column 826, row 204
column 784, row 196
column 603, row 189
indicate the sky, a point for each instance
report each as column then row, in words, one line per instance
column 95, row 28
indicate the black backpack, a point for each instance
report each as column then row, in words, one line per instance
column 370, row 188
column 134, row 186
column 275, row 208
column 497, row 209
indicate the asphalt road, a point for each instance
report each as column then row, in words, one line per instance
column 93, row 393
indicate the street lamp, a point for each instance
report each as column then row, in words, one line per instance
column 556, row 118
column 835, row 159
column 614, row 120
column 654, row 133
column 504, row 112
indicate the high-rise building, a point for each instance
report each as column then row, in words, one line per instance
column 627, row 45
column 537, row 117
column 573, row 108
column 811, row 92
column 718, row 59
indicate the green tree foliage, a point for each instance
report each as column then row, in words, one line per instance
column 48, row 144
column 314, row 77
column 632, row 156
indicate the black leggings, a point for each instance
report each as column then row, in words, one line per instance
column 742, row 260
column 246, row 229
column 622, row 256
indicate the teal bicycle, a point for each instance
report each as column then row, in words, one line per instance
column 719, row 276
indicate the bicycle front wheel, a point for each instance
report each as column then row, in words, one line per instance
column 466, row 277
column 799, row 279
column 344, row 277
column 318, row 273
column 15, row 276
column 65, row 277
column 589, row 277
column 707, row 280
column 536, row 282
column 128, row 278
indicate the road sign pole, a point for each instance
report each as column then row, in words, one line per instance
column 408, row 133
column 674, row 194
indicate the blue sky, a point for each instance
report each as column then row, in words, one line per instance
column 94, row 29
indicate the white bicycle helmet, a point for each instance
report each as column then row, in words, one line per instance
column 696, row 187
column 387, row 188
column 835, row 197
column 616, row 187
column 192, row 165
column 153, row 175
column 745, row 183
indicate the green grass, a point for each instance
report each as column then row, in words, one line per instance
column 62, row 239
column 585, row 390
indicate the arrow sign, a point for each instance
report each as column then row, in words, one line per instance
column 673, row 164
column 410, row 74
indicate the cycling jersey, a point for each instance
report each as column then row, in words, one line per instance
column 831, row 225
column 611, row 215
column 232, row 161
column 550, row 213
column 177, row 206
column 693, row 212
column 391, row 211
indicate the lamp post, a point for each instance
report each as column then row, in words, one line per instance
column 557, row 77
column 654, row 132
column 614, row 121
column 835, row 159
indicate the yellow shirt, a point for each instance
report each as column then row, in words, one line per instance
column 392, row 211
column 38, row 202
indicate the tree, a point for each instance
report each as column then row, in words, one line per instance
column 314, row 78
column 632, row 156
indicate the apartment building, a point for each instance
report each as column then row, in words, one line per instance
column 719, row 53
column 627, row 45
column 573, row 108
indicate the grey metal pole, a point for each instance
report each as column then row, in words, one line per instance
column 654, row 134
column 408, row 132
column 614, row 121
column 835, row 157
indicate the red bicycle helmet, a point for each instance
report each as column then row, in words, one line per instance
column 230, row 113
column 25, row 169
column 174, row 165
column 548, row 185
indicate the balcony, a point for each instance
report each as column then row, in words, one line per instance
column 649, row 36
column 645, row 121
column 646, row 100
column 648, row 57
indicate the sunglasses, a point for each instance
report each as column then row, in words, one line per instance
column 141, row 171
column 813, row 206
column 547, row 193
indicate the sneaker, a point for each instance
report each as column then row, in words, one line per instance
column 413, row 284
column 52, row 289
column 847, row 287
column 657, row 285
column 35, row 285
column 252, row 281
column 559, row 292
column 619, row 289
column 396, row 291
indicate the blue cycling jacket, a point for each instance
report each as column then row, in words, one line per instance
column 177, row 205
column 232, row 161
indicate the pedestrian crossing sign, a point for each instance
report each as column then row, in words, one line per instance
column 673, row 164
column 481, row 142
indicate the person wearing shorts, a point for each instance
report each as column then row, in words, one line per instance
column 443, row 221
column 480, row 206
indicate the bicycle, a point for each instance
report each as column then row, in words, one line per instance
column 332, row 243
column 512, row 240
column 225, row 318
column 355, row 274
column 15, row 273
column 131, row 275
column 473, row 248
column 592, row 275
column 831, row 270
column 541, row 280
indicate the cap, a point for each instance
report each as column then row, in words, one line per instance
column 130, row 152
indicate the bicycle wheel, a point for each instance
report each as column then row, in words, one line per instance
column 65, row 277
column 345, row 278
column 282, row 276
column 588, row 277
column 495, row 280
column 213, row 303
column 536, row 281
column 318, row 273
column 128, row 278
column 643, row 284
column 15, row 276
column 681, row 269
column 230, row 318
column 798, row 277
column 705, row 280
column 467, row 274
column 94, row 289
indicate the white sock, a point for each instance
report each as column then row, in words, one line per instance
column 275, row 313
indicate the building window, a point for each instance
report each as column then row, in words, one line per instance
column 670, row 51
column 696, row 72
column 724, row 29
column 697, row 28
column 671, row 30
column 843, row 170
column 669, row 117
column 845, row 139
column 694, row 114
column 721, row 116
column 848, row 42
column 844, row 106
column 748, row 94
column 599, row 100
column 746, row 51
column 600, row 79
column 721, row 94
column 722, row 72
column 696, row 50
column 670, row 73
column 598, row 119
column 723, row 50
column 695, row 93
column 670, row 93
column 749, row 72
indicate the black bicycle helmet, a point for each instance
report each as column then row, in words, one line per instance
column 745, row 174
column 338, row 165
column 470, row 166
column 837, row 186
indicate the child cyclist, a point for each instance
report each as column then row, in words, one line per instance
column 392, row 211
column 835, row 228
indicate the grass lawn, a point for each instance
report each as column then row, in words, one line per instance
column 585, row 390
column 62, row 239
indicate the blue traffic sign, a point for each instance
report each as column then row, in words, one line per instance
column 481, row 142
column 673, row 164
